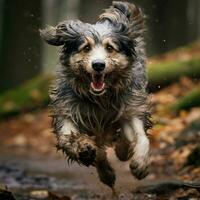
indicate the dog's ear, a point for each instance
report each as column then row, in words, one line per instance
column 128, row 17
column 62, row 33
column 52, row 35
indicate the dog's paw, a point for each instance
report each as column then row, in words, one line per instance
column 140, row 161
column 68, row 145
column 139, row 165
column 139, row 171
column 86, row 153
column 78, row 147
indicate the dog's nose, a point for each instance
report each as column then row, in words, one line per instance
column 98, row 65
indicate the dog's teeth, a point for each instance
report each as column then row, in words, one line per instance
column 97, row 89
column 97, row 85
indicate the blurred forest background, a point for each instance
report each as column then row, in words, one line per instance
column 30, row 168
column 23, row 54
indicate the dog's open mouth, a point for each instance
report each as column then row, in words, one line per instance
column 97, row 85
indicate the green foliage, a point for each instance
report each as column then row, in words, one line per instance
column 165, row 73
column 32, row 94
column 192, row 99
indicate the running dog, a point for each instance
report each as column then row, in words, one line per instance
column 99, row 97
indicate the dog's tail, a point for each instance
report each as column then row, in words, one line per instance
column 127, row 14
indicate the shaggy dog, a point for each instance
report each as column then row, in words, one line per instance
column 99, row 98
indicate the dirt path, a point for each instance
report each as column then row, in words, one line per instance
column 23, row 174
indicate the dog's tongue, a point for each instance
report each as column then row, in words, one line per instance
column 97, row 81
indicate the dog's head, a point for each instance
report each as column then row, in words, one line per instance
column 97, row 57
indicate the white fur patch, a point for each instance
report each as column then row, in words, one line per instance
column 142, row 146
column 138, row 126
column 128, row 132
column 98, row 53
column 67, row 128
column 103, row 29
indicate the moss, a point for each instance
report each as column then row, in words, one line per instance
column 192, row 99
column 32, row 94
column 165, row 73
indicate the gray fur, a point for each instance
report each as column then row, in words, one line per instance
column 97, row 115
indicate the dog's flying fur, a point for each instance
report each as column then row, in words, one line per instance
column 99, row 98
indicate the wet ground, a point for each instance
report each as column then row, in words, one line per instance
column 26, row 174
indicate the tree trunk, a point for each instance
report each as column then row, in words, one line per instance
column 21, row 45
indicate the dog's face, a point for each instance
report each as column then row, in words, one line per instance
column 103, row 60
column 97, row 57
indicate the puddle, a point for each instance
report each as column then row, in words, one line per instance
column 22, row 175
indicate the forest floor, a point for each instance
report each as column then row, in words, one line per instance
column 31, row 168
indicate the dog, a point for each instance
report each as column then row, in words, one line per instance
column 99, row 96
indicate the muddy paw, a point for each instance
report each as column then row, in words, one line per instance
column 138, row 171
column 69, row 147
column 87, row 154
column 79, row 148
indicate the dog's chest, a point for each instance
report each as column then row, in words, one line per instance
column 95, row 118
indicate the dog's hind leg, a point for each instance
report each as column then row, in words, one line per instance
column 135, row 133
column 123, row 149
column 104, row 169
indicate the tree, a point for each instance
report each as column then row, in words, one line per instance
column 21, row 46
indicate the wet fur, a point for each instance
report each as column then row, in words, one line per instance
column 100, row 121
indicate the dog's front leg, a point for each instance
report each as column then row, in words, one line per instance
column 77, row 147
column 135, row 134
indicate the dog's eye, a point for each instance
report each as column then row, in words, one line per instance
column 87, row 48
column 109, row 48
